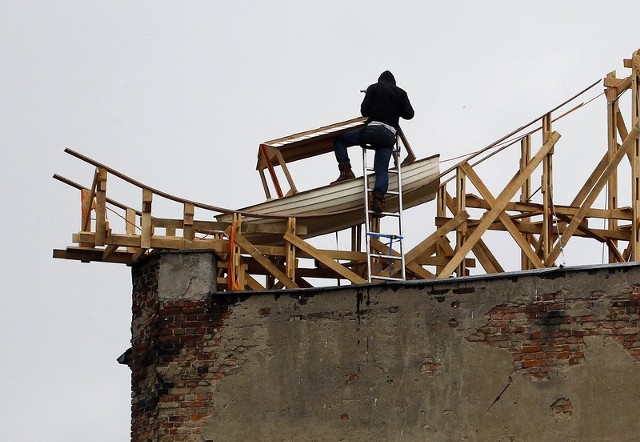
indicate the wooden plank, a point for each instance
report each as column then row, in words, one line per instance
column 504, row 218
column 279, row 228
column 253, row 284
column 89, row 255
column 612, row 145
column 157, row 242
column 108, row 251
column 285, row 170
column 635, row 155
column 130, row 224
column 265, row 184
column 487, row 260
column 535, row 227
column 290, row 258
column 187, row 220
column 432, row 239
column 591, row 197
column 264, row 261
column 88, row 203
column 101, row 206
column 443, row 260
column 461, row 230
column 324, row 259
column 547, row 192
column 532, row 209
column 525, row 196
column 619, row 84
column 146, row 222
column 504, row 197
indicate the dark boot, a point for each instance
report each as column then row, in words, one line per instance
column 377, row 200
column 345, row 172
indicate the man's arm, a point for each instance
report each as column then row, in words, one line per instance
column 367, row 102
column 406, row 110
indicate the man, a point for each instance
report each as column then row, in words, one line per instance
column 383, row 105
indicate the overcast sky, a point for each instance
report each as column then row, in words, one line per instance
column 179, row 94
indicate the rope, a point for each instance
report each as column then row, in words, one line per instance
column 125, row 219
column 506, row 139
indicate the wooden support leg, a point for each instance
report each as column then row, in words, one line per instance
column 291, row 251
column 101, row 206
column 461, row 231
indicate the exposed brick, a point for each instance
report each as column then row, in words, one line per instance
column 546, row 333
column 166, row 333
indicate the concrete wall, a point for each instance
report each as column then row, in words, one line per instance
column 532, row 356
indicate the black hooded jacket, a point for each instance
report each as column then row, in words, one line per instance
column 385, row 102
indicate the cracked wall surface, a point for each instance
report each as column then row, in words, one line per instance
column 523, row 357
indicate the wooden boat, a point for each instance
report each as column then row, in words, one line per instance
column 329, row 208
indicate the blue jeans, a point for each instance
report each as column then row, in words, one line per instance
column 374, row 137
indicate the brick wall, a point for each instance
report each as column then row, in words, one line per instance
column 540, row 355
column 550, row 331
column 173, row 359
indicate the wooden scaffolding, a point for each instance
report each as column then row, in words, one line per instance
column 466, row 210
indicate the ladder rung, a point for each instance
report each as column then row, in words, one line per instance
column 386, row 278
column 386, row 213
column 380, row 255
column 385, row 235
column 393, row 192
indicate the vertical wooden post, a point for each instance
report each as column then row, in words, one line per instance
column 86, row 201
column 233, row 258
column 612, row 146
column 147, row 228
column 130, row 226
column 547, row 191
column 441, row 212
column 356, row 238
column 291, row 251
column 525, row 196
column 187, row 222
column 461, row 205
column 101, row 206
column 635, row 155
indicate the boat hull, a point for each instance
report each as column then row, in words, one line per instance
column 340, row 206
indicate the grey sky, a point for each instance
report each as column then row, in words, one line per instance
column 180, row 94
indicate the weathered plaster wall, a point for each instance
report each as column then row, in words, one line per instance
column 525, row 357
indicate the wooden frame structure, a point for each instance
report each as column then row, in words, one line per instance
column 540, row 229
column 303, row 145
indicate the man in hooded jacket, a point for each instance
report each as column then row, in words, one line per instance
column 384, row 104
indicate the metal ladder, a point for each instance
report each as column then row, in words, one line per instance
column 383, row 265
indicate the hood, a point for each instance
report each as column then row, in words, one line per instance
column 387, row 77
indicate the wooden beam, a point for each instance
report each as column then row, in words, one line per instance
column 591, row 197
column 432, row 239
column 525, row 196
column 264, row 261
column 291, row 261
column 486, row 258
column 324, row 259
column 101, row 206
column 187, row 221
column 90, row 254
column 509, row 225
column 547, row 193
column 504, row 197
column 146, row 222
column 635, row 155
column 461, row 230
